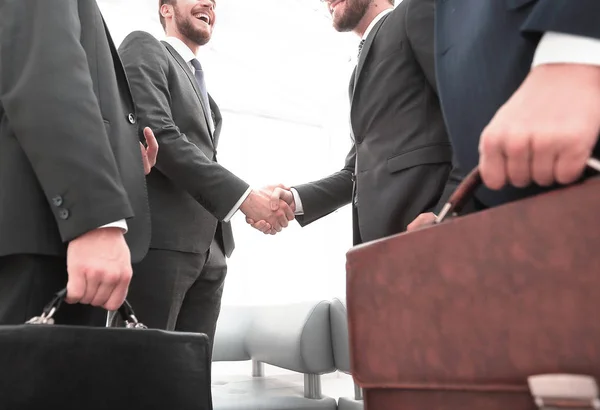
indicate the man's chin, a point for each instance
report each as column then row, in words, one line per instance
column 203, row 38
column 340, row 27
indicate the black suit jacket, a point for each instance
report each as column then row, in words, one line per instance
column 401, row 155
column 69, row 153
column 484, row 51
column 189, row 191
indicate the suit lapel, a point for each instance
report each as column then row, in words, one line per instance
column 186, row 69
column 216, row 117
column 119, row 70
column 354, row 80
column 365, row 52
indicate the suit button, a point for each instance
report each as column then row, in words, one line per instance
column 131, row 118
column 57, row 200
column 63, row 213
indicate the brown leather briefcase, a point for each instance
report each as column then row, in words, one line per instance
column 460, row 314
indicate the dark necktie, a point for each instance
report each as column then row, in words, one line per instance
column 199, row 74
column 360, row 46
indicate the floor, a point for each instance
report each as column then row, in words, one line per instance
column 277, row 381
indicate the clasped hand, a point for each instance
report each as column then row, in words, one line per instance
column 278, row 207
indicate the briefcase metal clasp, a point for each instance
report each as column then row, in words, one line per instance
column 564, row 391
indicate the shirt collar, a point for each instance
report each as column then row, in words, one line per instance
column 181, row 49
column 376, row 20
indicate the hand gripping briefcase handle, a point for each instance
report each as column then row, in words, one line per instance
column 126, row 312
column 467, row 188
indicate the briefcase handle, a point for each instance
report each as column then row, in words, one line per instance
column 467, row 188
column 126, row 312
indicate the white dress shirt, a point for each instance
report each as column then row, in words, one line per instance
column 556, row 48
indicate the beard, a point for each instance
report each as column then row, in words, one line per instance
column 354, row 12
column 186, row 27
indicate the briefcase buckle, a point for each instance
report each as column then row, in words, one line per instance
column 44, row 319
column 564, row 391
column 133, row 323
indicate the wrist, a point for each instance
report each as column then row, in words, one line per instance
column 105, row 231
column 244, row 207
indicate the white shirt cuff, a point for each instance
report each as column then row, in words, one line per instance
column 556, row 48
column 297, row 202
column 237, row 205
column 118, row 224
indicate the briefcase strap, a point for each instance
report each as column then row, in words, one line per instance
column 467, row 188
column 47, row 316
column 564, row 391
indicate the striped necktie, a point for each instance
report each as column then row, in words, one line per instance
column 360, row 46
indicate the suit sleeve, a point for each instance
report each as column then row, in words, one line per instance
column 420, row 31
column 322, row 197
column 47, row 96
column 564, row 16
column 213, row 186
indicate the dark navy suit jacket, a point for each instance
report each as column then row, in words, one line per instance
column 484, row 51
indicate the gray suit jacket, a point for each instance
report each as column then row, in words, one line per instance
column 484, row 51
column 401, row 156
column 69, row 153
column 189, row 191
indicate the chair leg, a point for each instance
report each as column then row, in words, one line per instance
column 312, row 386
column 258, row 369
column 358, row 394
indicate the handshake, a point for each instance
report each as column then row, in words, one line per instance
column 269, row 209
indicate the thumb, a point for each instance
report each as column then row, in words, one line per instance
column 275, row 196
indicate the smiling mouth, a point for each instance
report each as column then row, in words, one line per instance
column 203, row 17
column 333, row 5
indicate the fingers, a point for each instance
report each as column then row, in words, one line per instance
column 287, row 210
column 569, row 167
column 491, row 160
column 145, row 161
column 152, row 145
column 281, row 193
column 119, row 293
column 546, row 130
column 92, row 284
column 104, row 291
column 99, row 268
column 542, row 162
column 150, row 153
column 421, row 221
column 262, row 226
column 518, row 161
column 76, row 286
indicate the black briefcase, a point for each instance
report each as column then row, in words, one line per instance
column 47, row 366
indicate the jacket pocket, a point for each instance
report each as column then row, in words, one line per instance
column 431, row 154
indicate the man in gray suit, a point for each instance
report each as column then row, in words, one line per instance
column 192, row 198
column 71, row 173
column 401, row 158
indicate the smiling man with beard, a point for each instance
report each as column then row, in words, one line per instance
column 401, row 157
column 179, row 285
